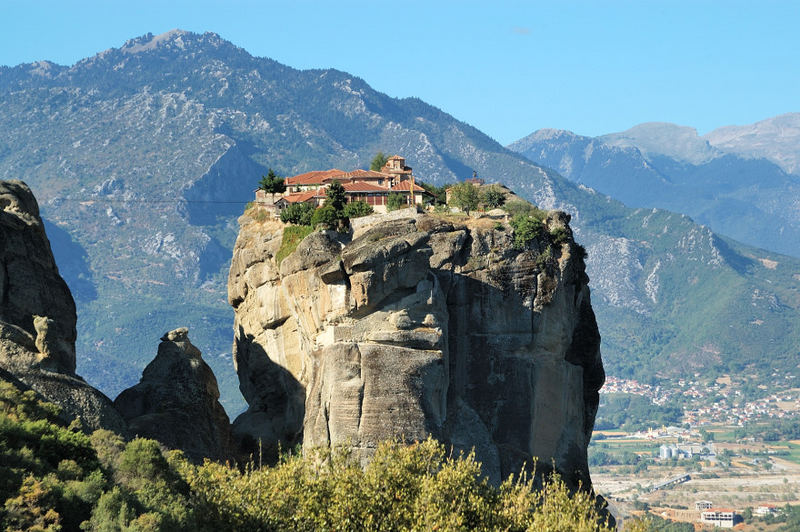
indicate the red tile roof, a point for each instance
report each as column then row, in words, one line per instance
column 316, row 177
column 358, row 174
column 299, row 197
column 405, row 186
column 363, row 186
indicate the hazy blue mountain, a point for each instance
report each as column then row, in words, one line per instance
column 142, row 157
column 662, row 138
column 776, row 139
column 667, row 166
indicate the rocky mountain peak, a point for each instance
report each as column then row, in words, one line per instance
column 663, row 138
column 147, row 42
column 544, row 135
column 776, row 139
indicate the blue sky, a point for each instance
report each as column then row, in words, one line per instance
column 507, row 68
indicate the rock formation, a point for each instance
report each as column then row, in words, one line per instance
column 418, row 326
column 37, row 314
column 176, row 402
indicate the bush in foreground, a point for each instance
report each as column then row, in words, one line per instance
column 56, row 478
column 416, row 487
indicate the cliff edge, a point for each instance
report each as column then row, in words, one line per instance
column 419, row 325
column 37, row 315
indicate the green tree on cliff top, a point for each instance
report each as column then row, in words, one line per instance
column 272, row 184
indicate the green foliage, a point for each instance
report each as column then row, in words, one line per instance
column 336, row 197
column 357, row 209
column 272, row 184
column 519, row 207
column 378, row 162
column 140, row 464
column 527, row 228
column 50, row 475
column 545, row 258
column 149, row 493
column 108, row 446
column 116, row 510
column 33, row 508
column 439, row 193
column 298, row 213
column 404, row 487
column 655, row 523
column 465, row 196
column 395, row 201
column 789, row 516
column 327, row 216
column 559, row 235
column 292, row 236
column 493, row 197
column 782, row 430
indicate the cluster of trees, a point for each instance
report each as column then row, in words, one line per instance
column 779, row 430
column 469, row 197
column 55, row 477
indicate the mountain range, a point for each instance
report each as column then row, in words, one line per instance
column 737, row 180
column 142, row 157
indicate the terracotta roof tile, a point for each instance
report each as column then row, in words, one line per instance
column 358, row 174
column 362, row 186
column 315, row 177
column 406, row 186
column 299, row 197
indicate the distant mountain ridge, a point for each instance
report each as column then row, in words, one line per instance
column 662, row 138
column 662, row 165
column 143, row 156
column 776, row 139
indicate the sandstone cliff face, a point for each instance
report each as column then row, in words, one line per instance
column 419, row 326
column 37, row 314
column 177, row 403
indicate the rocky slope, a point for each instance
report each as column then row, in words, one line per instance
column 177, row 402
column 37, row 315
column 419, row 325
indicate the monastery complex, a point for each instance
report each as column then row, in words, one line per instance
column 359, row 185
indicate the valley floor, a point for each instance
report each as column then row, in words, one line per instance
column 742, row 476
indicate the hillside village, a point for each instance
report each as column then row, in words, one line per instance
column 720, row 402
